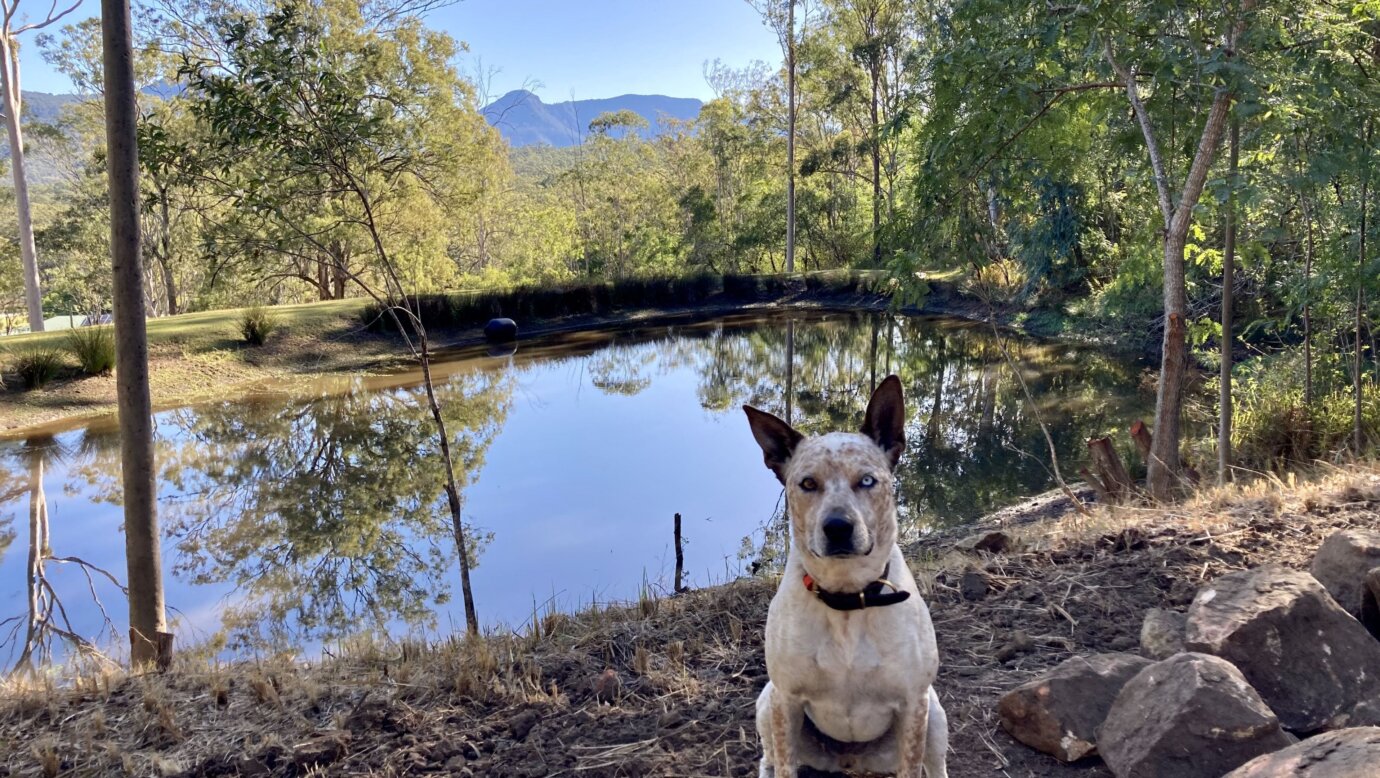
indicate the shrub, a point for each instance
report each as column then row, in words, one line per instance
column 1273, row 428
column 37, row 366
column 94, row 348
column 257, row 324
column 1002, row 281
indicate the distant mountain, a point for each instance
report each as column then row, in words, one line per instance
column 524, row 120
column 45, row 107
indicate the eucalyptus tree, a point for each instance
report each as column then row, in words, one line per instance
column 12, row 25
column 780, row 16
column 379, row 126
column 149, row 639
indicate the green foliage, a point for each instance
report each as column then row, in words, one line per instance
column 1275, row 428
column 94, row 348
column 257, row 325
column 37, row 366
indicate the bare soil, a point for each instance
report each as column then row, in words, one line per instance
column 679, row 675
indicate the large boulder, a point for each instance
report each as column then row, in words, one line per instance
column 1346, row 753
column 1314, row 664
column 1341, row 565
column 1162, row 633
column 1059, row 712
column 1190, row 716
column 500, row 330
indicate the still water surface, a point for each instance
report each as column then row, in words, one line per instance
column 292, row 520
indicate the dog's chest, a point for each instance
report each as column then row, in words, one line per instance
column 852, row 671
column 852, row 650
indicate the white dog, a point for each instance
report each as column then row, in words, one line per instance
column 851, row 654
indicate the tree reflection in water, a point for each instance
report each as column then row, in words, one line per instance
column 327, row 514
column 45, row 629
column 973, row 445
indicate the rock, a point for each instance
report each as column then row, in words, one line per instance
column 1370, row 606
column 1314, row 665
column 993, row 542
column 522, row 724
column 500, row 330
column 1190, row 716
column 1346, row 753
column 1019, row 643
column 1341, row 565
column 607, row 687
column 973, row 585
column 1059, row 712
column 1162, row 633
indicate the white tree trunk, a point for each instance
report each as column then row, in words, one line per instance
column 790, row 136
column 9, row 84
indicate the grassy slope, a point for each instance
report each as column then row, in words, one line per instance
column 689, row 667
column 199, row 356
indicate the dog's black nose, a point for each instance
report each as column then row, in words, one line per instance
column 838, row 532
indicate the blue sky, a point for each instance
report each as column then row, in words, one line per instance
column 584, row 48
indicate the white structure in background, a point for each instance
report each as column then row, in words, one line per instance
column 61, row 323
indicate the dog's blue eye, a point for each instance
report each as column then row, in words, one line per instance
column 867, row 482
column 809, row 485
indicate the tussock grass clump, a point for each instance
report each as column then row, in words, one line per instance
column 94, row 348
column 1001, row 281
column 533, row 303
column 37, row 366
column 257, row 324
column 1275, row 430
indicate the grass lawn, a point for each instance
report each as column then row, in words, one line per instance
column 211, row 329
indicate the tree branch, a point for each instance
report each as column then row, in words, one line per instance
column 1128, row 78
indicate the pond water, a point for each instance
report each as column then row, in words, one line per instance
column 293, row 520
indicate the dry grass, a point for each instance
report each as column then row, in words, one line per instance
column 687, row 668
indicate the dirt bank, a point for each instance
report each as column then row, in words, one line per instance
column 687, row 668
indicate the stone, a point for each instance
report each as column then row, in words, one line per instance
column 973, row 585
column 1189, row 716
column 1162, row 633
column 1370, row 607
column 1059, row 712
column 992, row 542
column 1341, row 564
column 1313, row 664
column 500, row 330
column 607, row 687
column 522, row 724
column 1346, row 753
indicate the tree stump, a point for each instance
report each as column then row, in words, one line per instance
column 1116, row 481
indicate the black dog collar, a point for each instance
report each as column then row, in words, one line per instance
column 870, row 597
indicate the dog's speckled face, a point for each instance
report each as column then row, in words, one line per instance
column 840, row 488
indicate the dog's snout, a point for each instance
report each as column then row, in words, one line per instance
column 838, row 534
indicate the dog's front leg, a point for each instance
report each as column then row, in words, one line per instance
column 914, row 731
column 787, row 723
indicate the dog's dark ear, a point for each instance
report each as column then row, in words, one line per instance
column 885, row 422
column 777, row 439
